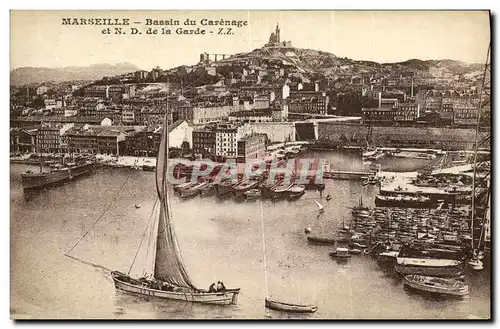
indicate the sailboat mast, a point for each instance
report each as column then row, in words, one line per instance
column 263, row 246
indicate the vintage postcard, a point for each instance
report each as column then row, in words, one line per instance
column 250, row 165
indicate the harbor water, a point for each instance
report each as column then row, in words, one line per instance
column 219, row 240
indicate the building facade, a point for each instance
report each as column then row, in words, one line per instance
column 251, row 147
column 49, row 138
column 204, row 142
column 310, row 102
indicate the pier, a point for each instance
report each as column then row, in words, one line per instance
column 347, row 175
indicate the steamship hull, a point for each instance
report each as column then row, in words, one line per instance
column 33, row 181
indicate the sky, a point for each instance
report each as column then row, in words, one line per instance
column 39, row 39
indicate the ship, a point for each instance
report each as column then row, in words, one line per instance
column 57, row 174
column 429, row 260
column 167, row 277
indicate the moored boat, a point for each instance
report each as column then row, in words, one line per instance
column 286, row 307
column 436, row 285
column 253, row 194
column 429, row 262
column 170, row 279
column 296, row 192
column 148, row 167
column 193, row 190
column 57, row 174
column 340, row 253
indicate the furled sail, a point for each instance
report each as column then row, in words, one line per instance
column 169, row 266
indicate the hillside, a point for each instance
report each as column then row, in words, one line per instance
column 29, row 75
column 318, row 62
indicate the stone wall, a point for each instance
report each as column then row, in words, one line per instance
column 333, row 134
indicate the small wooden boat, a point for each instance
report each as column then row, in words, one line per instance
column 341, row 253
column 193, row 190
column 355, row 251
column 148, row 167
column 296, row 192
column 253, row 194
column 245, row 186
column 321, row 208
column 286, row 307
column 323, row 240
column 437, row 285
column 137, row 206
column 357, row 245
column 183, row 186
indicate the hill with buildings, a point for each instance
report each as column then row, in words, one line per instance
column 30, row 75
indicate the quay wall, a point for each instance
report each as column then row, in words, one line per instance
column 354, row 134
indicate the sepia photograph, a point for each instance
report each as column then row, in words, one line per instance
column 250, row 165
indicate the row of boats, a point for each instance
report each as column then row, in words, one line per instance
column 249, row 190
column 374, row 154
column 428, row 248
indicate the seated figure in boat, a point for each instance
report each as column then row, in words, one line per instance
column 220, row 286
column 212, row 288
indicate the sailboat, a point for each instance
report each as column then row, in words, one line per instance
column 321, row 208
column 273, row 304
column 170, row 277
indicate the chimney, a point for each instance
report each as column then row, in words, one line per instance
column 316, row 86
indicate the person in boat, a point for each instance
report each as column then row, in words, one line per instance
column 220, row 286
column 212, row 288
column 167, row 287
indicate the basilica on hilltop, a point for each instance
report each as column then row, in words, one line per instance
column 275, row 41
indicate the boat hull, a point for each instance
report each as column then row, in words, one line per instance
column 33, row 181
column 440, row 271
column 278, row 306
column 148, row 168
column 228, row 297
column 431, row 285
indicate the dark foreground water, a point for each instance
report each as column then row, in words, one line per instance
column 219, row 241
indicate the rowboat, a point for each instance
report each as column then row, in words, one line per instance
column 340, row 253
column 326, row 240
column 296, row 192
column 286, row 307
column 437, row 285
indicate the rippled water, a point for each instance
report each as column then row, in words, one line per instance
column 219, row 241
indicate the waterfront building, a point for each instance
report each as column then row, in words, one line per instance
column 23, row 140
column 252, row 146
column 226, row 140
column 49, row 137
column 276, row 132
column 310, row 102
column 406, row 113
column 180, row 134
column 142, row 143
column 204, row 141
column 108, row 140
column 378, row 116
